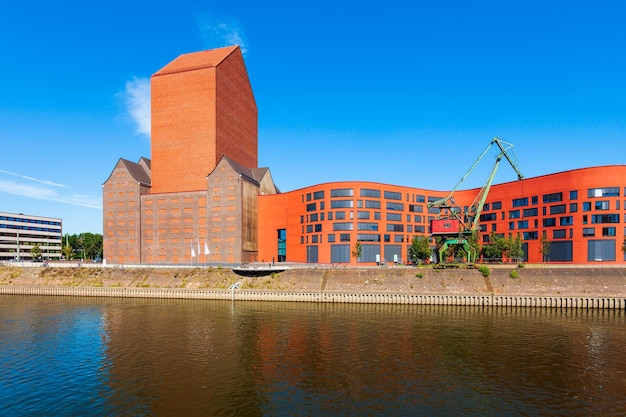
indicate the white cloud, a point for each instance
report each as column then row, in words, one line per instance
column 217, row 32
column 137, row 100
column 49, row 194
column 55, row 184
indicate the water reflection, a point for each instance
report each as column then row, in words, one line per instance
column 186, row 357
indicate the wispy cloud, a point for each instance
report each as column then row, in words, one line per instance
column 55, row 184
column 49, row 194
column 137, row 100
column 218, row 31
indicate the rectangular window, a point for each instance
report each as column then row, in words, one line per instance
column 573, row 207
column 420, row 198
column 486, row 207
column 531, row 235
column 586, row 206
column 417, row 218
column 330, row 215
column 496, row 206
column 372, row 204
column 561, row 208
column 341, row 204
column 313, row 217
column 395, row 227
column 377, row 215
column 340, row 215
column 363, row 215
column 604, row 218
column 311, row 207
column 589, row 231
column 535, row 200
column 566, row 221
column 559, row 234
column 531, row 212
column 603, row 192
column 419, row 229
column 331, row 238
column 608, row 231
column 522, row 224
column 343, row 226
column 514, row 214
column 415, row 208
column 367, row 226
column 367, row 237
column 511, row 225
column 394, row 217
column 344, row 237
column 342, row 192
column 552, row 198
column 488, row 217
column 549, row 222
column 519, row 202
column 602, row 205
column 395, row 206
column 366, row 192
column 318, row 195
column 391, row 195
column 573, row 195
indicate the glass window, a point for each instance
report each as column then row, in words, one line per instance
column 514, row 214
column 416, row 208
column 365, row 215
column 589, row 231
column 608, row 231
column 531, row 212
column 342, row 192
column 558, row 234
column 549, row 222
column 341, row 204
column 519, row 202
column 535, row 200
column 331, row 238
column 573, row 207
column 392, row 195
column 488, row 217
column 318, row 195
column 586, row 206
column 522, row 224
column 573, row 195
column 496, row 206
column 372, row 204
column 343, row 226
column 602, row 205
column 395, row 206
column 561, row 208
column 394, row 217
column 366, row 192
column 603, row 192
column 340, row 215
column 551, row 198
column 604, row 218
column 566, row 221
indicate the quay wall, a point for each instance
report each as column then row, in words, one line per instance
column 531, row 286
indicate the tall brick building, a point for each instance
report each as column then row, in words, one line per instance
column 196, row 200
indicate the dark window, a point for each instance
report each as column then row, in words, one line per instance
column 365, row 192
column 496, row 206
column 573, row 195
column 342, row 192
column 551, row 198
column 561, row 208
column 392, row 195
column 318, row 195
column 531, row 212
column 519, row 202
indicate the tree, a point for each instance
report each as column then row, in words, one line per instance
column 495, row 248
column 419, row 251
column 544, row 247
column 357, row 250
column 514, row 248
column 35, row 252
column 67, row 251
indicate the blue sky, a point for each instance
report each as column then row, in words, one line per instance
column 397, row 92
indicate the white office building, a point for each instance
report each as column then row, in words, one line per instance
column 20, row 232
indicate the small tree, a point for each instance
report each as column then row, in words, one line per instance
column 357, row 251
column 514, row 248
column 544, row 247
column 67, row 251
column 35, row 252
column 495, row 248
column 419, row 251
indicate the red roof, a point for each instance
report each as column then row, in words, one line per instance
column 197, row 60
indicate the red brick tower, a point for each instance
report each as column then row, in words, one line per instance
column 202, row 108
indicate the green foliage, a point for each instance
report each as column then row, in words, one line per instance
column 514, row 247
column 35, row 252
column 514, row 274
column 357, row 251
column 419, row 275
column 545, row 246
column 495, row 248
column 484, row 270
column 419, row 251
column 83, row 246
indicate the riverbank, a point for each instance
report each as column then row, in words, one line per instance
column 502, row 280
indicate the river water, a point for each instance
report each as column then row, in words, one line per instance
column 65, row 356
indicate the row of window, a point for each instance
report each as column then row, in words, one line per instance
column 361, row 237
column 371, row 193
column 26, row 220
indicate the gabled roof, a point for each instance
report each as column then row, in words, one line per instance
column 254, row 175
column 137, row 171
column 197, row 60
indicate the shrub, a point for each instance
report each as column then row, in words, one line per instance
column 419, row 275
column 484, row 270
column 514, row 274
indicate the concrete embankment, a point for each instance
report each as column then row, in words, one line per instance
column 531, row 286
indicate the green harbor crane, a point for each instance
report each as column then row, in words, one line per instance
column 454, row 225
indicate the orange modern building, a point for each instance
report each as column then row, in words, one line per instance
column 581, row 213
column 202, row 199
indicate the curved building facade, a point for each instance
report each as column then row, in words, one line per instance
column 581, row 213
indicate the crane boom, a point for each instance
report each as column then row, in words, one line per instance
column 458, row 225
